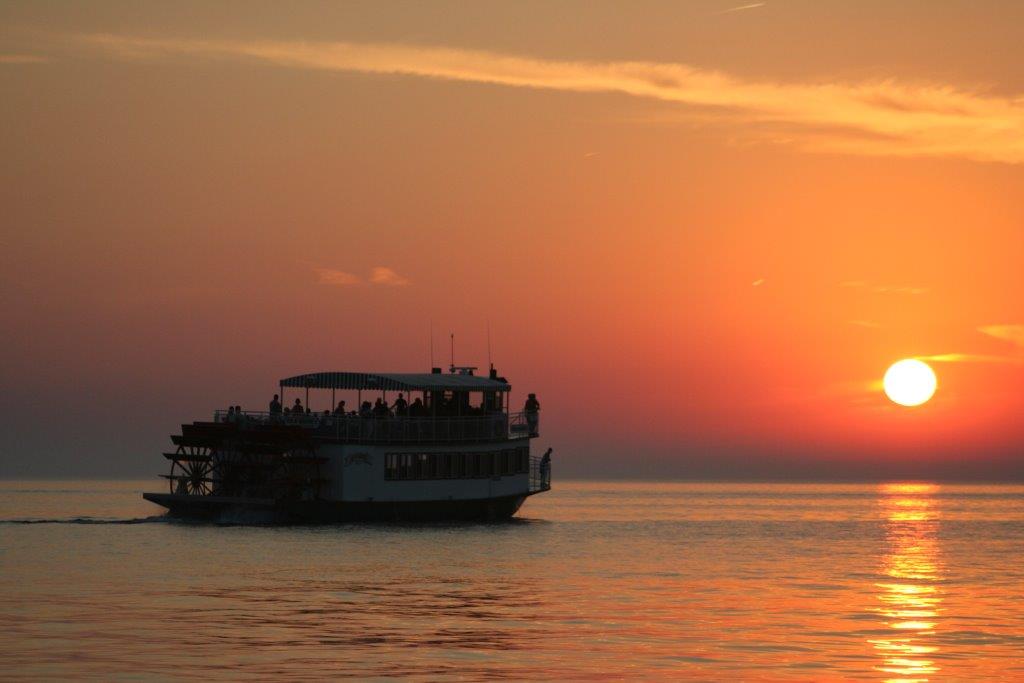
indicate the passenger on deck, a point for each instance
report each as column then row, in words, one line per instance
column 532, row 410
column 417, row 408
column 380, row 408
column 275, row 406
column 230, row 417
column 297, row 409
column 400, row 407
column 365, row 410
column 340, row 410
column 239, row 416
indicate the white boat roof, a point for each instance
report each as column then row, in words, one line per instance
column 395, row 381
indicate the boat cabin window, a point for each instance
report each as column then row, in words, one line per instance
column 419, row 466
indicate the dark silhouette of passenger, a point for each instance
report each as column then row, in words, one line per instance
column 380, row 408
column 417, row 409
column 400, row 407
column 230, row 417
column 340, row 410
column 239, row 417
column 297, row 409
column 275, row 406
column 532, row 410
column 365, row 410
column 545, row 468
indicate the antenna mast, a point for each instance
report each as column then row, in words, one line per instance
column 453, row 349
column 431, row 345
column 490, row 363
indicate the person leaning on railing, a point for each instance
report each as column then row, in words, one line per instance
column 545, row 469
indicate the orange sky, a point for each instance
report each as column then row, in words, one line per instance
column 699, row 233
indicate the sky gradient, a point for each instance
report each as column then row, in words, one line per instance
column 699, row 231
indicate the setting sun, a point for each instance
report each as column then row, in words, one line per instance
column 909, row 382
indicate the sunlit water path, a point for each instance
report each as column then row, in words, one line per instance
column 894, row 582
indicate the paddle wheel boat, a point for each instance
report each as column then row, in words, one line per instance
column 456, row 453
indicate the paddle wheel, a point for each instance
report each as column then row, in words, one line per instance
column 192, row 470
column 267, row 462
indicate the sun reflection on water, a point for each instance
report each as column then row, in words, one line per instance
column 911, row 599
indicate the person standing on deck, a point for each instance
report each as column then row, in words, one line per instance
column 400, row 406
column 417, row 408
column 532, row 410
column 275, row 406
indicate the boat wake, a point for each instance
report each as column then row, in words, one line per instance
column 89, row 520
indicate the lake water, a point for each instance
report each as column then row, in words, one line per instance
column 739, row 582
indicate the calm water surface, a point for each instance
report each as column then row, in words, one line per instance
column 894, row 582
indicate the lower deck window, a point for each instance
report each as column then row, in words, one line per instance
column 483, row 465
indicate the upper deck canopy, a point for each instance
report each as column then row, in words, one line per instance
column 394, row 381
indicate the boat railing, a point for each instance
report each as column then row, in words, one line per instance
column 358, row 428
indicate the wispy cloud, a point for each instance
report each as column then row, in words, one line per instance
column 899, row 289
column 383, row 275
column 970, row 358
column 23, row 59
column 753, row 5
column 884, row 117
column 1011, row 333
column 330, row 276
column 883, row 289
column 379, row 275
